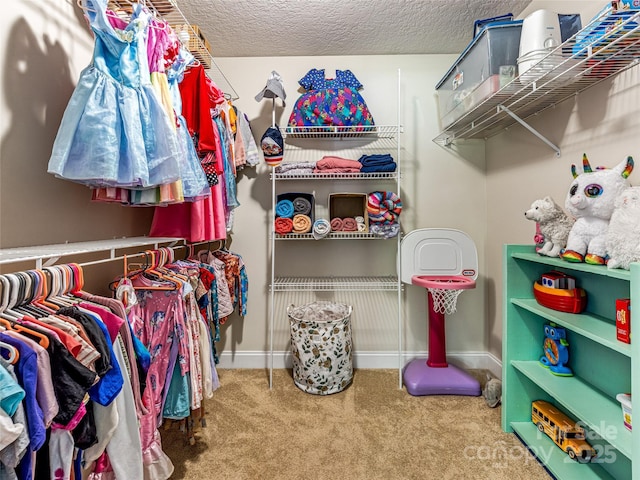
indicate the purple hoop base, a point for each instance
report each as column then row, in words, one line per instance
column 420, row 379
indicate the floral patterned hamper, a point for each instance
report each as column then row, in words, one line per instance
column 321, row 346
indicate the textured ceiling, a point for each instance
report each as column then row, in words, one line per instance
column 265, row 28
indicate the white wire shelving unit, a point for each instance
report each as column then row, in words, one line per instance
column 579, row 63
column 304, row 144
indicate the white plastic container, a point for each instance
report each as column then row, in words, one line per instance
column 625, row 401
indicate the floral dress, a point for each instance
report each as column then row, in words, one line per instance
column 330, row 102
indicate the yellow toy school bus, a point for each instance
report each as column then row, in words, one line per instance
column 564, row 432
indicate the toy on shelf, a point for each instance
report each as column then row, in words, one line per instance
column 553, row 224
column 556, row 352
column 625, row 402
column 623, row 235
column 565, row 433
column 557, row 290
column 623, row 319
column 590, row 200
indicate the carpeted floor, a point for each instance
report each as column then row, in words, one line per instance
column 372, row 430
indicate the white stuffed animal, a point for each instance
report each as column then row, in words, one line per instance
column 554, row 224
column 623, row 236
column 590, row 200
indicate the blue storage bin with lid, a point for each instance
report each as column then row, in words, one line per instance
column 476, row 73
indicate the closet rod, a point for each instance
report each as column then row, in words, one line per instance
column 140, row 254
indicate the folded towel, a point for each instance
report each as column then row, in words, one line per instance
column 349, row 224
column 301, row 224
column 377, row 163
column 387, row 167
column 301, row 205
column 330, row 162
column 337, row 170
column 370, row 160
column 383, row 207
column 321, row 228
column 336, row 224
column 284, row 208
column 283, row 225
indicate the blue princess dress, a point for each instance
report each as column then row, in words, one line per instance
column 114, row 131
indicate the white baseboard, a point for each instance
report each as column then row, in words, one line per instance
column 364, row 360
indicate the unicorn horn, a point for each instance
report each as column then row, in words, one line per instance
column 585, row 164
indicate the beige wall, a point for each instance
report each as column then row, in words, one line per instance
column 44, row 46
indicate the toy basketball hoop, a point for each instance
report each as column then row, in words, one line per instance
column 444, row 262
column 444, row 291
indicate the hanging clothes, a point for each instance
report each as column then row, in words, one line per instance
column 114, row 131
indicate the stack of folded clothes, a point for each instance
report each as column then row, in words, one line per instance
column 332, row 164
column 296, row 168
column 377, row 163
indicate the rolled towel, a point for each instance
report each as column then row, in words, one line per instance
column 283, row 225
column 336, row 224
column 359, row 219
column 383, row 207
column 284, row 208
column 362, row 227
column 301, row 206
column 321, row 228
column 301, row 224
column 349, row 224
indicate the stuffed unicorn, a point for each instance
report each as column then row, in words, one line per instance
column 623, row 235
column 590, row 201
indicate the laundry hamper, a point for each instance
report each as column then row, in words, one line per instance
column 321, row 346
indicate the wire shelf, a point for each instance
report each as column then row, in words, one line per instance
column 292, row 284
column 379, row 131
column 334, row 176
column 576, row 65
column 331, row 236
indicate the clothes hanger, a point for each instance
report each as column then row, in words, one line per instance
column 25, row 304
column 14, row 354
column 62, row 285
column 151, row 273
column 8, row 318
column 120, row 11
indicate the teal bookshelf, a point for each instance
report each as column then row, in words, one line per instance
column 602, row 365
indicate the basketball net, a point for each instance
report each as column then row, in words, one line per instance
column 444, row 300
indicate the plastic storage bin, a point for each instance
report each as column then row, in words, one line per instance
column 476, row 73
column 321, row 346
